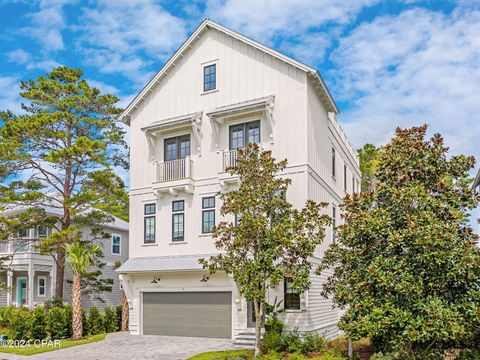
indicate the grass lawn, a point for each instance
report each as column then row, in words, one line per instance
column 64, row 343
column 220, row 355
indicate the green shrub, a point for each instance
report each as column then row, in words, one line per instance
column 95, row 322
column 272, row 342
column 469, row 355
column 296, row 356
column 58, row 323
column 272, row 355
column 19, row 324
column 333, row 355
column 85, row 323
column 110, row 320
column 6, row 315
column 313, row 342
column 293, row 341
column 68, row 318
column 38, row 325
column 118, row 310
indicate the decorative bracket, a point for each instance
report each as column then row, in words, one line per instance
column 197, row 130
column 269, row 115
column 151, row 145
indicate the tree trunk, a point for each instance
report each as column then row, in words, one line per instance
column 124, row 312
column 60, row 272
column 77, row 323
column 258, row 325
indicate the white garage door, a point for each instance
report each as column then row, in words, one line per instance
column 197, row 314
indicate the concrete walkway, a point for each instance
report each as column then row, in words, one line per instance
column 123, row 346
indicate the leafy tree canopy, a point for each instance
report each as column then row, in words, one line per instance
column 406, row 265
column 368, row 155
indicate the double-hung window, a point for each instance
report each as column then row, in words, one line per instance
column 42, row 231
column 149, row 223
column 334, row 223
column 208, row 214
column 209, row 77
column 42, row 285
column 116, row 244
column 243, row 134
column 178, row 220
column 291, row 296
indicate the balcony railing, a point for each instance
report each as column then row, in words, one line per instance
column 229, row 159
column 19, row 246
column 173, row 170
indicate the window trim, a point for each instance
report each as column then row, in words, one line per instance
column 145, row 241
column 208, row 209
column 119, row 245
column 215, row 82
column 175, row 213
column 150, row 213
column 334, row 224
column 44, row 286
column 333, row 168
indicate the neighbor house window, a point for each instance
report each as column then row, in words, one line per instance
column 334, row 223
column 208, row 214
column 178, row 220
column 42, row 284
column 243, row 134
column 149, row 223
column 116, row 244
column 291, row 296
column 42, row 231
column 23, row 233
column 345, row 177
column 210, row 77
column 333, row 162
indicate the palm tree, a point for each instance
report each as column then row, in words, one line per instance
column 80, row 256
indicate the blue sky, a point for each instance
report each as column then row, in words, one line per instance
column 387, row 63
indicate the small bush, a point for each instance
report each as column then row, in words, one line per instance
column 6, row 315
column 110, row 320
column 118, row 310
column 272, row 342
column 68, row 318
column 84, row 322
column 293, row 341
column 272, row 355
column 19, row 324
column 58, row 323
column 313, row 342
column 296, row 356
column 38, row 326
column 95, row 322
column 469, row 355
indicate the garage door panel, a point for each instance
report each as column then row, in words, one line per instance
column 206, row 314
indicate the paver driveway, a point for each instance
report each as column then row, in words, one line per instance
column 122, row 346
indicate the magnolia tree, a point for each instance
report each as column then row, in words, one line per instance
column 406, row 263
column 61, row 153
column 270, row 239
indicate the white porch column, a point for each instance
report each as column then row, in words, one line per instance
column 9, row 287
column 53, row 279
column 31, row 276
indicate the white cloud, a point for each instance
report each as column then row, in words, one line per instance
column 9, row 90
column 417, row 67
column 104, row 88
column 117, row 36
column 22, row 57
column 48, row 23
column 266, row 21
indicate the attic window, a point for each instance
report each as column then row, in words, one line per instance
column 209, row 77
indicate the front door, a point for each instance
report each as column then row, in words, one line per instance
column 21, row 291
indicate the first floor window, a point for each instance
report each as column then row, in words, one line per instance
column 208, row 214
column 41, row 285
column 178, row 220
column 334, row 223
column 116, row 240
column 291, row 296
column 42, row 231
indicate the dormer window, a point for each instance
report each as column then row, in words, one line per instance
column 209, row 77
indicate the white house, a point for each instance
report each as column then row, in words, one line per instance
column 219, row 92
column 29, row 276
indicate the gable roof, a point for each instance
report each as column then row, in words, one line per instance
column 313, row 73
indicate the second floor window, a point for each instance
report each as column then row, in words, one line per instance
column 23, row 233
column 149, row 223
column 177, row 148
column 42, row 231
column 243, row 134
column 291, row 296
column 208, row 214
column 210, row 77
column 178, row 220
column 116, row 244
column 333, row 162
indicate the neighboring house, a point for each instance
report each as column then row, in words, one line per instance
column 476, row 182
column 30, row 276
column 219, row 92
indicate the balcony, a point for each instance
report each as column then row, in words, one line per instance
column 229, row 159
column 173, row 170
